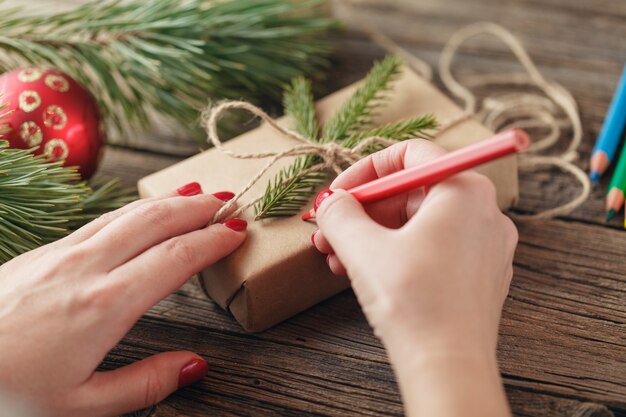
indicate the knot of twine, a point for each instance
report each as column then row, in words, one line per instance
column 333, row 155
column 521, row 109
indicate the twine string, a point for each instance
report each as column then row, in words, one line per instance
column 527, row 110
column 497, row 112
column 334, row 156
column 520, row 109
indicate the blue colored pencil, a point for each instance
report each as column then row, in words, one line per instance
column 611, row 133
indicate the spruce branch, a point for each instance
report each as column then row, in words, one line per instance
column 171, row 55
column 300, row 107
column 289, row 191
column 292, row 187
column 42, row 201
column 357, row 112
column 415, row 127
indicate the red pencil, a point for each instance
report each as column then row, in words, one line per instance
column 502, row 144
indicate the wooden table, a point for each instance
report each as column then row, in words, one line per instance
column 563, row 332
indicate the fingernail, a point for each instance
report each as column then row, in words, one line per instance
column 193, row 371
column 236, row 224
column 328, row 259
column 193, row 188
column 313, row 236
column 224, row 195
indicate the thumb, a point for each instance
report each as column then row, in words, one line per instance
column 141, row 384
column 347, row 227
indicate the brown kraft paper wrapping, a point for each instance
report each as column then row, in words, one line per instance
column 277, row 273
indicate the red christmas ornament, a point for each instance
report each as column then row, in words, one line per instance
column 52, row 111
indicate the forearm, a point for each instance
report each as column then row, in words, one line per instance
column 448, row 382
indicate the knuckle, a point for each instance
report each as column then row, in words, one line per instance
column 108, row 216
column 96, row 297
column 484, row 187
column 423, row 145
column 156, row 213
column 70, row 257
column 332, row 203
column 325, row 207
column 181, row 251
column 152, row 389
column 511, row 232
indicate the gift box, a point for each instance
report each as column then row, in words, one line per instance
column 277, row 273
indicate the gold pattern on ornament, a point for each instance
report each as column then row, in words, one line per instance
column 54, row 117
column 28, row 75
column 29, row 100
column 57, row 83
column 31, row 133
column 56, row 150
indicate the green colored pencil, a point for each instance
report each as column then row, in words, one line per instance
column 617, row 188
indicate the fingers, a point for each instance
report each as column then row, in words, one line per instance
column 150, row 224
column 469, row 193
column 162, row 269
column 336, row 266
column 96, row 225
column 322, row 245
column 140, row 384
column 392, row 212
column 348, row 228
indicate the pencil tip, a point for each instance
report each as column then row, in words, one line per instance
column 610, row 214
column 594, row 176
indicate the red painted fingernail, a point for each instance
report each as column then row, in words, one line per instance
column 193, row 371
column 193, row 188
column 323, row 195
column 313, row 236
column 238, row 225
column 224, row 195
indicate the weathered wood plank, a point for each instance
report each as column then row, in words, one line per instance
column 131, row 165
column 562, row 338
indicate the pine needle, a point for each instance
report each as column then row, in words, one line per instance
column 300, row 107
column 289, row 191
column 171, row 55
column 41, row 201
column 292, row 187
column 357, row 112
column 416, row 127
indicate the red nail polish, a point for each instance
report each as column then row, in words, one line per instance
column 224, row 195
column 238, row 225
column 193, row 371
column 313, row 237
column 323, row 195
column 193, row 188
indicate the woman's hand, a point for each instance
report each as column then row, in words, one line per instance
column 431, row 271
column 65, row 305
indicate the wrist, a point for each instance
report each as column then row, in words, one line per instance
column 406, row 339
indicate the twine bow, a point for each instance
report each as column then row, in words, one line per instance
column 334, row 156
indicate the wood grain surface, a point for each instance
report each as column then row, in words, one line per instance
column 562, row 346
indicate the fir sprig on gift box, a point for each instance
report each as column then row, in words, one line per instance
column 171, row 55
column 292, row 187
